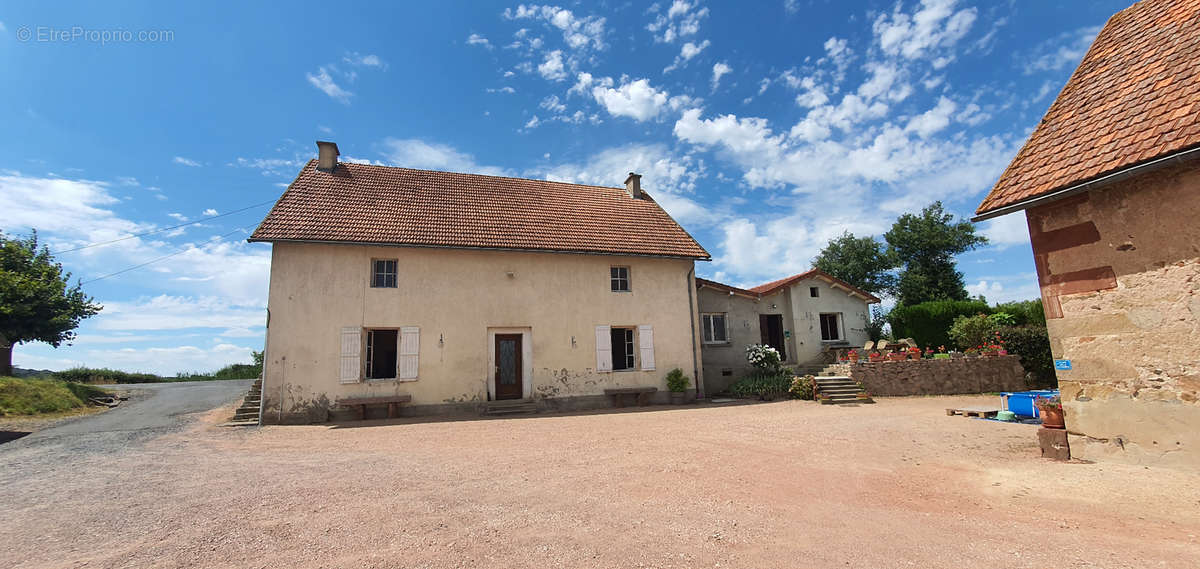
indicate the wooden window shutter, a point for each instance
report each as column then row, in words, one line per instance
column 410, row 349
column 603, row 348
column 351, row 360
column 646, row 343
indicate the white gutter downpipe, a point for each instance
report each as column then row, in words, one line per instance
column 692, row 308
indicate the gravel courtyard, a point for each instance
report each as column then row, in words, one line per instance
column 785, row 484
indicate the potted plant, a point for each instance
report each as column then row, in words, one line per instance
column 677, row 384
column 1052, row 412
column 941, row 354
column 853, row 355
column 875, row 357
column 914, row 353
column 896, row 356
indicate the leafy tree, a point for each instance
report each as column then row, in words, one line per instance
column 37, row 303
column 861, row 261
column 926, row 245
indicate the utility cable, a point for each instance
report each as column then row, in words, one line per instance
column 144, row 233
column 184, row 250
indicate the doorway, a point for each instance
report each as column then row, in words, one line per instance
column 509, row 367
column 771, row 328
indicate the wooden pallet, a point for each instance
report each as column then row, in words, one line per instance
column 973, row 412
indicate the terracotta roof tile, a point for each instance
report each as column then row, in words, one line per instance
column 1132, row 99
column 359, row 203
column 773, row 286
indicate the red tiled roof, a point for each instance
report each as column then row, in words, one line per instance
column 773, row 286
column 1134, row 97
column 359, row 203
column 722, row 286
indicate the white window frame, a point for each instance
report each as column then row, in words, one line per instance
column 614, row 280
column 837, row 321
column 709, row 331
column 394, row 274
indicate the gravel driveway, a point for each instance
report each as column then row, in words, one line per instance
column 785, row 484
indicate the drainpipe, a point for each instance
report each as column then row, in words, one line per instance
column 692, row 318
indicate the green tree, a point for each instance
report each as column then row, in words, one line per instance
column 926, row 245
column 37, row 301
column 861, row 261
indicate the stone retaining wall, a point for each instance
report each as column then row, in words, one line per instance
column 940, row 377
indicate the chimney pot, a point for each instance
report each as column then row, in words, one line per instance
column 327, row 153
column 633, row 185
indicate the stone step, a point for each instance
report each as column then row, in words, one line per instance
column 237, row 418
column 510, row 407
column 253, row 409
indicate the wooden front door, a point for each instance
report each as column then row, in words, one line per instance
column 771, row 328
column 509, row 383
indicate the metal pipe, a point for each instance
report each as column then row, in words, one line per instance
column 692, row 308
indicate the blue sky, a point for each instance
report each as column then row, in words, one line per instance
column 765, row 128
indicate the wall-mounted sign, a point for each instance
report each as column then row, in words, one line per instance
column 787, row 333
column 1063, row 365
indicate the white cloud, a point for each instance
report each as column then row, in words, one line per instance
column 1006, row 230
column 415, row 153
column 166, row 361
column 686, row 53
column 578, row 33
column 364, row 60
column 552, row 68
column 552, row 104
column 165, row 312
column 719, row 69
column 185, row 161
column 476, row 39
column 681, row 20
column 635, row 99
column 325, row 83
column 1065, row 50
column 935, row 25
column 933, row 120
column 177, row 216
column 210, row 211
column 505, row 89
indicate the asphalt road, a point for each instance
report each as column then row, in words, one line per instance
column 153, row 409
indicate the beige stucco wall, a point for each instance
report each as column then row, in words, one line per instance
column 455, row 297
column 800, row 322
column 1134, row 343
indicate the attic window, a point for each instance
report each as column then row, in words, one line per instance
column 383, row 273
column 619, row 279
column 814, row 292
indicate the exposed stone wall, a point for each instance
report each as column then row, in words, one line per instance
column 1120, row 275
column 940, row 377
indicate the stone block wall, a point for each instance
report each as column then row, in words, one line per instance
column 940, row 377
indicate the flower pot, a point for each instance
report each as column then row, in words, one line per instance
column 876, row 357
column 1052, row 417
column 678, row 397
column 853, row 357
column 895, row 357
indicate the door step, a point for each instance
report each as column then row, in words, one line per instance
column 839, row 390
column 510, row 407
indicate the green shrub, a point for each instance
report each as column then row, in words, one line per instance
column 1033, row 345
column 802, row 387
column 676, row 381
column 104, row 375
column 1024, row 312
column 762, row 385
column 28, row 396
column 929, row 322
column 969, row 332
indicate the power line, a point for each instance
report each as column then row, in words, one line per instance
column 144, row 233
column 184, row 250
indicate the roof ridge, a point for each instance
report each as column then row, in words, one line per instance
column 518, row 178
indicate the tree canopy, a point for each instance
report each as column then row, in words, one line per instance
column 37, row 301
column 925, row 245
column 861, row 261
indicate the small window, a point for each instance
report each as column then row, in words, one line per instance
column 619, row 278
column 814, row 292
column 715, row 331
column 383, row 273
column 829, row 327
column 622, row 348
column 381, row 353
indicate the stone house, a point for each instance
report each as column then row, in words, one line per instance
column 1110, row 185
column 807, row 317
column 459, row 289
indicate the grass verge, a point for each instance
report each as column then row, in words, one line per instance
column 28, row 396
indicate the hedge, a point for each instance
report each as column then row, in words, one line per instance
column 929, row 323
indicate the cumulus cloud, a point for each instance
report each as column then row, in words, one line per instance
column 579, row 33
column 552, row 68
column 185, row 162
column 682, row 19
column 1063, row 51
column 476, row 39
column 936, row 24
column 416, row 153
column 719, row 70
column 325, row 83
column 635, row 99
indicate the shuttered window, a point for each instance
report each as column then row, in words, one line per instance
column 604, row 359
column 646, row 345
column 410, row 349
column 351, row 360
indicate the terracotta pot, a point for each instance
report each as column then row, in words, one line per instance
column 853, row 357
column 896, row 357
column 1052, row 417
column 876, row 357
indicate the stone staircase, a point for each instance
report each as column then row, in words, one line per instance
column 249, row 413
column 510, row 407
column 840, row 389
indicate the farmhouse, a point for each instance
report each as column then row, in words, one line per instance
column 1110, row 186
column 808, row 318
column 440, row 291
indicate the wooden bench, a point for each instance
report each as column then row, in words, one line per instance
column 642, row 395
column 361, row 402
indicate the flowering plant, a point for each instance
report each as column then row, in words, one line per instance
column 763, row 357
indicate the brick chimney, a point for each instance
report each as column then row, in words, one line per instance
column 633, row 185
column 327, row 153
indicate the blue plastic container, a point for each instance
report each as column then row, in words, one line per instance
column 1022, row 402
